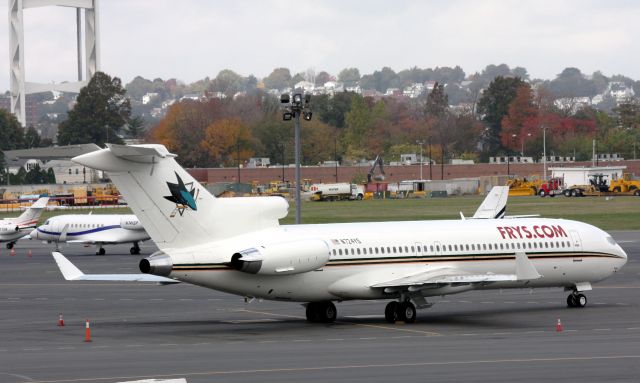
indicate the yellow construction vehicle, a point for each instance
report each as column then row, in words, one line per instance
column 523, row 187
column 627, row 183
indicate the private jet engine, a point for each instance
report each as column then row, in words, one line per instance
column 282, row 258
column 131, row 223
column 9, row 228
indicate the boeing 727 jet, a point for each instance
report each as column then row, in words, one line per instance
column 237, row 245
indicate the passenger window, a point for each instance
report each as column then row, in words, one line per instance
column 382, row 250
column 395, row 250
column 353, row 252
column 399, row 249
column 450, row 248
column 438, row 248
column 334, row 251
column 431, row 248
column 388, row 250
column 358, row 251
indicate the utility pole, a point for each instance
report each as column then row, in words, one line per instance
column 420, row 142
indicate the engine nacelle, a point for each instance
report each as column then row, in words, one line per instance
column 131, row 223
column 9, row 228
column 293, row 257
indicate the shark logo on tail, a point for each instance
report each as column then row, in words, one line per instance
column 183, row 198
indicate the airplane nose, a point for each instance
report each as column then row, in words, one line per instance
column 34, row 233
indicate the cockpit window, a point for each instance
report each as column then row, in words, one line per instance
column 611, row 241
column 46, row 222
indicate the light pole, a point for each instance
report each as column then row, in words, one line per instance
column 420, row 142
column 294, row 107
column 430, row 161
column 544, row 151
column 335, row 154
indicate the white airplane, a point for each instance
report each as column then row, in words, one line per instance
column 98, row 229
column 237, row 245
column 12, row 229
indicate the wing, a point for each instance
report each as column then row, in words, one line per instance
column 524, row 271
column 72, row 273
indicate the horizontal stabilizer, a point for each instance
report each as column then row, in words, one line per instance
column 71, row 273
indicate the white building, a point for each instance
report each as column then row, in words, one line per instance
column 68, row 172
column 580, row 175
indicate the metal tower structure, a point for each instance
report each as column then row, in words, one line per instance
column 19, row 87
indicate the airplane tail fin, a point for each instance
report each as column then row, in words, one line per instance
column 174, row 208
column 32, row 214
column 494, row 204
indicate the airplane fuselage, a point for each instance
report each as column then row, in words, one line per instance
column 362, row 255
column 95, row 228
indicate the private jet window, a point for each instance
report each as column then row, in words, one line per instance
column 455, row 247
column 473, row 246
column 334, row 251
column 376, row 250
column 353, row 252
column 490, row 247
column 358, row 251
column 438, row 248
column 484, row 246
column 450, row 248
column 501, row 248
column 518, row 245
column 431, row 248
column 546, row 245
column 557, row 244
column 412, row 249
column 371, row 250
column 406, row 249
column 513, row 245
column 388, row 250
column 395, row 250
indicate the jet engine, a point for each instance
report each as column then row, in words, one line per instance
column 9, row 227
column 130, row 223
column 282, row 258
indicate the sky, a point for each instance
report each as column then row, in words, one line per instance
column 193, row 39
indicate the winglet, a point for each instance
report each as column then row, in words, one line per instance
column 69, row 271
column 524, row 268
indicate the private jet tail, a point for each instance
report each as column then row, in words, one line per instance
column 30, row 217
column 173, row 207
column 494, row 204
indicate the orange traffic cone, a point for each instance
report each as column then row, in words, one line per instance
column 29, row 254
column 13, row 252
column 60, row 320
column 87, row 332
column 559, row 326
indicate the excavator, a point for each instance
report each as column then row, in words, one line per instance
column 371, row 176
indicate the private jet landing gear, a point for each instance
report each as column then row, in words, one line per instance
column 101, row 250
column 576, row 300
column 135, row 250
column 400, row 311
column 10, row 245
column 321, row 312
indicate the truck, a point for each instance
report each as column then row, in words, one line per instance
column 336, row 192
column 551, row 187
column 598, row 186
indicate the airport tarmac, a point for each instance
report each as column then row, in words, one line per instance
column 143, row 331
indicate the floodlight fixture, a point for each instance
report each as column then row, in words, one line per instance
column 307, row 115
column 287, row 116
column 297, row 99
column 284, row 98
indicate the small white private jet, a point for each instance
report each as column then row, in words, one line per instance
column 12, row 229
column 94, row 229
column 237, row 245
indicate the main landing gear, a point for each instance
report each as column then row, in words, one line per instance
column 135, row 250
column 10, row 245
column 321, row 312
column 400, row 311
column 101, row 250
column 576, row 299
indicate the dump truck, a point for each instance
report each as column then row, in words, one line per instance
column 336, row 192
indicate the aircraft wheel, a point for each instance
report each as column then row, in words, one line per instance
column 391, row 312
column 328, row 312
column 407, row 312
column 134, row 250
column 10, row 245
column 571, row 300
column 312, row 312
column 101, row 251
column 581, row 300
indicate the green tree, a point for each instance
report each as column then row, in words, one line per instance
column 349, row 76
column 32, row 138
column 279, row 79
column 493, row 106
column 135, row 127
column 228, row 82
column 51, row 176
column 11, row 133
column 437, row 102
column 100, row 112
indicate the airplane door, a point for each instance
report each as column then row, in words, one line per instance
column 576, row 241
